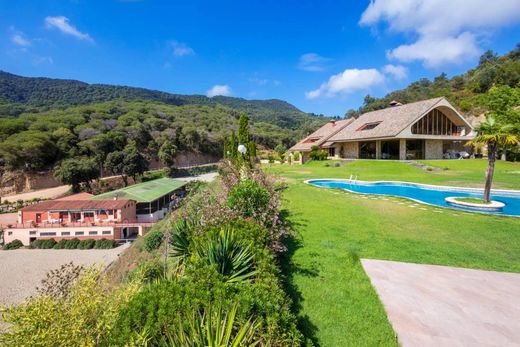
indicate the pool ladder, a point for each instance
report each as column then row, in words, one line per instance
column 352, row 178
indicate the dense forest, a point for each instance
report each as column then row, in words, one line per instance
column 29, row 94
column 466, row 91
column 45, row 122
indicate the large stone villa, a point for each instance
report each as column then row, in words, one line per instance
column 427, row 129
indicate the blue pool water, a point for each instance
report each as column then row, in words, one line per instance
column 433, row 195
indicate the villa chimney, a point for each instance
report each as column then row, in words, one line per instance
column 395, row 103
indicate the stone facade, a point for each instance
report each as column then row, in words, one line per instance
column 433, row 149
column 350, row 150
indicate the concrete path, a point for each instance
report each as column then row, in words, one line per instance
column 431, row 305
column 22, row 270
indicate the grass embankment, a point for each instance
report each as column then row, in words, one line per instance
column 336, row 304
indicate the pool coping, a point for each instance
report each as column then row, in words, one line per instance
column 515, row 193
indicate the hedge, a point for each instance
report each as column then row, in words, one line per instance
column 73, row 243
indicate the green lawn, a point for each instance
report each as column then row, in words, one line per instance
column 333, row 297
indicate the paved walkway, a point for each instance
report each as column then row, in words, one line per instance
column 431, row 305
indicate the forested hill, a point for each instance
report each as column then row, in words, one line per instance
column 466, row 92
column 32, row 94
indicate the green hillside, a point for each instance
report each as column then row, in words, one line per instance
column 466, row 91
column 21, row 94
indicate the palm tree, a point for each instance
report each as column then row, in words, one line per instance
column 495, row 136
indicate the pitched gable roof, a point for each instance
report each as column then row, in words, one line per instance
column 389, row 122
column 321, row 135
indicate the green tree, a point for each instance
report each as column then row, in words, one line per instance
column 128, row 162
column 500, row 129
column 167, row 153
column 29, row 150
column 77, row 171
column 280, row 150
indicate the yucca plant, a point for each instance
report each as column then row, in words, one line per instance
column 213, row 329
column 180, row 242
column 232, row 258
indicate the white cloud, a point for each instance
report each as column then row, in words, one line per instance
column 62, row 24
column 312, row 62
column 18, row 38
column 447, row 30
column 398, row 72
column 219, row 89
column 453, row 49
column 259, row 81
column 180, row 49
column 348, row 81
column 40, row 61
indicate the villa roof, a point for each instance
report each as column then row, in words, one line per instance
column 78, row 196
column 76, row 205
column 321, row 135
column 388, row 122
column 144, row 192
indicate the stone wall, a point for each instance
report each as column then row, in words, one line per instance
column 351, row 150
column 433, row 149
column 12, row 182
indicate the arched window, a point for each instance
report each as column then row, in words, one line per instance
column 435, row 123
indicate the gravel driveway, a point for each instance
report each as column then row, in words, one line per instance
column 22, row 270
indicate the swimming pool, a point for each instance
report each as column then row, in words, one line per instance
column 433, row 195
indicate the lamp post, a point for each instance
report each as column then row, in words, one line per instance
column 242, row 149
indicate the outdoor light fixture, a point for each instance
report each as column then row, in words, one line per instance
column 242, row 149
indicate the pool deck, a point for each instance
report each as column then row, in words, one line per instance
column 430, row 305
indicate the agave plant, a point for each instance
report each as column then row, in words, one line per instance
column 213, row 329
column 180, row 242
column 231, row 258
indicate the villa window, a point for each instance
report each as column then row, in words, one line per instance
column 367, row 150
column 48, row 234
column 368, row 126
column 106, row 232
column 79, row 233
column 435, row 123
column 92, row 232
column 65, row 233
column 9, row 233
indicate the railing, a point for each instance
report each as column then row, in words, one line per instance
column 45, row 224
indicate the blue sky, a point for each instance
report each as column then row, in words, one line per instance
column 322, row 56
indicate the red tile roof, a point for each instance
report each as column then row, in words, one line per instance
column 79, row 196
column 76, row 205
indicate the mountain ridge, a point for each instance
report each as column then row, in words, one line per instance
column 44, row 93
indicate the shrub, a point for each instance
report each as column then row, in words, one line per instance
column 326, row 164
column 248, row 198
column 86, row 244
column 270, row 158
column 105, row 244
column 147, row 272
column 296, row 156
column 36, row 243
column 72, row 243
column 85, row 316
column 337, row 164
column 47, row 244
column 153, row 239
column 318, row 154
column 15, row 244
column 61, row 244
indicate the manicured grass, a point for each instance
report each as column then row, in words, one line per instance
column 472, row 200
column 466, row 173
column 334, row 299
